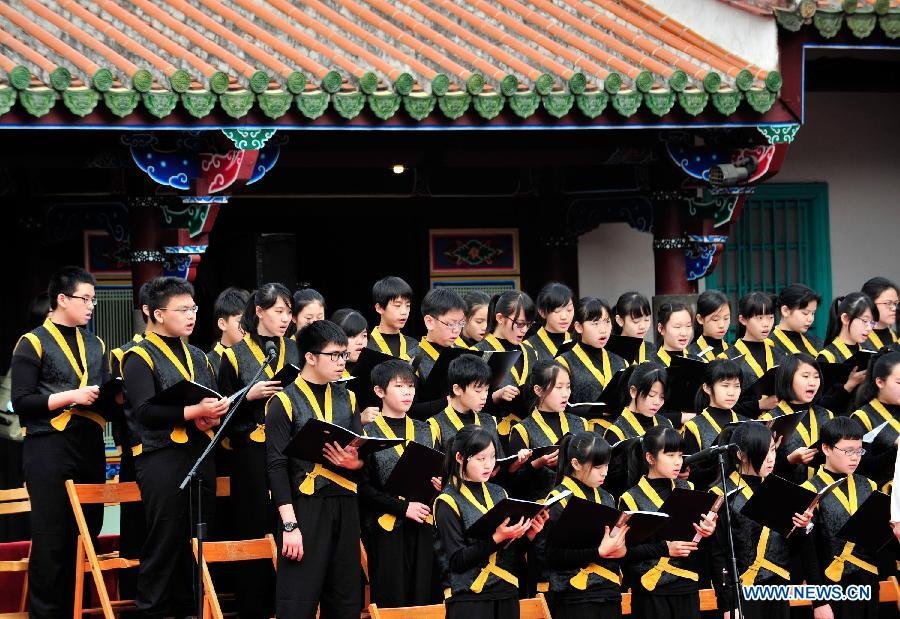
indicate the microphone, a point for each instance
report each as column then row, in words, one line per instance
column 709, row 452
column 270, row 349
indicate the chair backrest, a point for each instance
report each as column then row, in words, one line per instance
column 223, row 486
column 433, row 611
column 108, row 493
column 534, row 608
column 243, row 550
column 14, row 501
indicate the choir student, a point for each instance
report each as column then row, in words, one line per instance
column 584, row 582
column 265, row 322
column 510, row 315
column 711, row 324
column 756, row 317
column 228, row 311
column 172, row 437
column 354, row 325
column 675, row 326
column 797, row 306
column 879, row 402
column 850, row 321
column 662, row 574
column 829, row 559
column 57, row 369
column 482, row 573
column 763, row 556
column 318, row 567
column 883, row 293
column 444, row 313
column 392, row 298
column 556, row 308
column 590, row 365
column 308, row 306
column 477, row 303
column 798, row 382
column 398, row 532
column 633, row 319
column 548, row 391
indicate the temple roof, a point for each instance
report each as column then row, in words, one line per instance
column 404, row 61
column 862, row 18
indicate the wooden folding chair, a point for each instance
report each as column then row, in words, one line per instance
column 229, row 552
column 433, row 611
column 534, row 608
column 15, row 501
column 86, row 557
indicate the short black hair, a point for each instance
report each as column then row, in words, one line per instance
column 666, row 310
column 470, row 441
column 644, row 375
column 797, row 296
column 386, row 371
column 658, row 439
column 319, row 334
column 755, row 304
column 586, row 447
column 840, row 428
column 304, row 297
column 543, row 375
column 265, row 297
column 717, row 370
column 475, row 299
column 439, row 301
column 38, row 309
column 230, row 302
column 592, row 308
column 553, row 296
column 389, row 288
column 708, row 303
column 161, row 289
column 65, row 281
column 876, row 286
column 467, row 370
column 632, row 304
column 350, row 320
column 784, row 375
column 510, row 303
column 753, row 439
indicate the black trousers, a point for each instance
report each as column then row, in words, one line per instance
column 252, row 516
column 401, row 564
column 328, row 573
column 506, row 608
column 48, row 461
column 766, row 609
column 132, row 529
column 166, row 576
column 588, row 610
column 683, row 606
column 861, row 609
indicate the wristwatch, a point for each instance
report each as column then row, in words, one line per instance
column 289, row 526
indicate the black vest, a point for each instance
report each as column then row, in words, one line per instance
column 308, row 477
column 444, row 427
column 533, row 436
column 541, row 349
column 585, row 386
column 504, row 558
column 57, row 374
column 706, row 428
column 166, row 374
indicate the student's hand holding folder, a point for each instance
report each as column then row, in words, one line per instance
column 537, row 525
column 802, row 455
column 344, row 457
column 263, row 390
column 417, row 512
column 210, row 408
column 506, row 532
column 681, row 549
column 613, row 544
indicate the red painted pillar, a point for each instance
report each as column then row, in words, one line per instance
column 146, row 253
column 668, row 249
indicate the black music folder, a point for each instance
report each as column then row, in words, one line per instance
column 308, row 443
column 870, row 527
column 362, row 377
column 186, row 393
column 411, row 477
column 436, row 386
column 685, row 375
column 776, row 500
column 625, row 346
column 582, row 524
column 685, row 508
column 514, row 509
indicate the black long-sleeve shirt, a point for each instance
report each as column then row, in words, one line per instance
column 140, row 385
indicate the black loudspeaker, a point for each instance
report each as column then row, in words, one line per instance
column 276, row 259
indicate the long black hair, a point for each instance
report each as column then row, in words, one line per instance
column 881, row 367
column 588, row 448
column 632, row 304
column 658, row 439
column 753, row 439
column 265, row 297
column 543, row 376
column 551, row 297
column 717, row 370
column 876, row 286
column 854, row 305
column 470, row 441
column 510, row 303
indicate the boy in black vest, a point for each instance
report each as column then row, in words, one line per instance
column 319, row 562
column 56, row 371
column 171, row 438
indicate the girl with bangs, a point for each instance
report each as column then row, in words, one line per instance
column 556, row 308
column 851, row 319
column 883, row 293
column 758, row 354
column 711, row 324
column 633, row 319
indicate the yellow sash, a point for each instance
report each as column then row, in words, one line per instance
column 749, row 576
column 307, row 392
column 491, row 567
column 751, row 361
column 179, row 433
column 383, row 347
column 711, row 355
column 547, row 430
column 260, row 357
column 491, row 339
column 787, row 343
column 425, row 345
column 876, row 340
column 849, row 502
column 461, row 343
column 60, row 421
column 387, row 521
column 551, row 347
column 650, row 579
column 602, row 377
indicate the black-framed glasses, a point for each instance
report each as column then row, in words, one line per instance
column 183, row 310
column 853, row 452
column 453, row 326
column 334, row 356
column 520, row 324
column 892, row 305
column 86, row 300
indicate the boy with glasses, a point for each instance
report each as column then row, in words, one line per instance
column 171, row 437
column 56, row 371
column 392, row 297
column 828, row 559
column 319, row 560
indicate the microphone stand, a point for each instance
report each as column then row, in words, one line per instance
column 197, row 477
column 737, row 583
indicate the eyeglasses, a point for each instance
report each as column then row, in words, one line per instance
column 87, row 300
column 520, row 324
column 853, row 452
column 334, row 356
column 868, row 323
column 891, row 305
column 182, row 310
column 453, row 326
